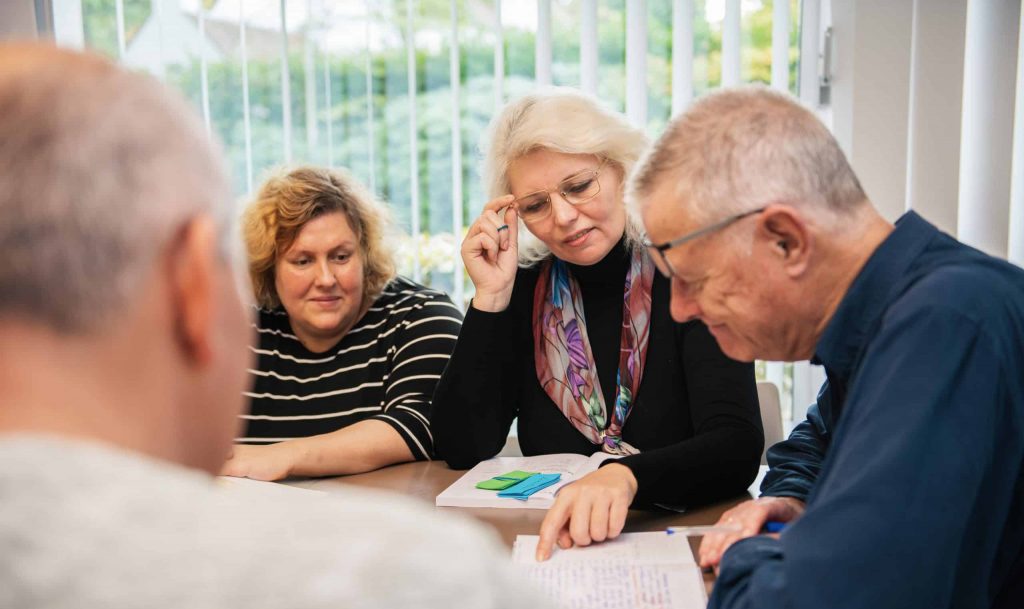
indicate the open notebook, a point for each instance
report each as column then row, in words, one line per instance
column 463, row 493
column 635, row 570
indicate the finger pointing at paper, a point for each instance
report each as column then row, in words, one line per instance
column 592, row 509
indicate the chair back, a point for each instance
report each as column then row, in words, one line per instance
column 771, row 415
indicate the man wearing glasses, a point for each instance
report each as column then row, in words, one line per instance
column 905, row 485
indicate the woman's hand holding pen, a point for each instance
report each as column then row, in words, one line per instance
column 491, row 254
column 749, row 519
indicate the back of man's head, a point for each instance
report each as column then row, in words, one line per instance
column 120, row 321
column 97, row 167
column 739, row 149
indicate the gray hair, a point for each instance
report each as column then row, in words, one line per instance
column 738, row 149
column 561, row 120
column 99, row 167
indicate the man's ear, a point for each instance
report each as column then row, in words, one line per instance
column 192, row 263
column 787, row 236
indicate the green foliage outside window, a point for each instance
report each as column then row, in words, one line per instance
column 350, row 143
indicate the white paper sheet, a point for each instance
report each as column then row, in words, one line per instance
column 635, row 571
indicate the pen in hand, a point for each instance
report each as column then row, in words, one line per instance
column 693, row 531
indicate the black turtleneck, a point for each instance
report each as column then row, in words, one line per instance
column 603, row 285
column 695, row 417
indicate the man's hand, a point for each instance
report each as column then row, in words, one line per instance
column 591, row 509
column 749, row 518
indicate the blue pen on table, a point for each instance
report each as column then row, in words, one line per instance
column 692, row 531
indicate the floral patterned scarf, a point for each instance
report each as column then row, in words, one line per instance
column 565, row 362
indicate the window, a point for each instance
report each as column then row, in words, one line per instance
column 401, row 91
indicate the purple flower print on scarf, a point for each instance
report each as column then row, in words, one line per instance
column 564, row 360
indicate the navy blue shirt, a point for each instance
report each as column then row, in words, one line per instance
column 912, row 461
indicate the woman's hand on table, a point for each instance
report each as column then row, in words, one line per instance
column 270, row 462
column 591, row 509
column 749, row 518
column 490, row 252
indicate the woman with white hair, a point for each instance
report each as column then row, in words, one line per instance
column 570, row 332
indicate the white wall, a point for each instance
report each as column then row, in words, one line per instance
column 936, row 91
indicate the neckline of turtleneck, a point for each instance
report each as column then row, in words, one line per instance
column 609, row 270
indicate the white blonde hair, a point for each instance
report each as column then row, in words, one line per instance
column 738, row 149
column 561, row 120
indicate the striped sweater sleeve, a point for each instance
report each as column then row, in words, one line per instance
column 423, row 344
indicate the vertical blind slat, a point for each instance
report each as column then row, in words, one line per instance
column 499, row 58
column 455, row 76
column 780, row 45
column 286, row 86
column 119, row 16
column 731, row 44
column 329, row 104
column 309, row 80
column 542, row 44
column 370, row 119
column 636, row 62
column 810, row 35
column 1016, row 245
column 246, row 118
column 588, row 47
column 414, row 165
column 68, row 24
column 805, row 379
column 157, row 9
column 986, row 143
column 204, row 81
column 682, row 54
column 936, row 72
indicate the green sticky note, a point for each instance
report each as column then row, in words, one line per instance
column 502, row 482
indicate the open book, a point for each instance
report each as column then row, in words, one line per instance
column 635, row 571
column 463, row 493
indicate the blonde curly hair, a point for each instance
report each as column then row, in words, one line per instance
column 289, row 200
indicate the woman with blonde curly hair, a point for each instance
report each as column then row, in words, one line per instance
column 570, row 333
column 348, row 353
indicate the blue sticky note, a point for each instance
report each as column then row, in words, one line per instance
column 529, row 486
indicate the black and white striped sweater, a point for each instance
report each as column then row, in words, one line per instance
column 385, row 368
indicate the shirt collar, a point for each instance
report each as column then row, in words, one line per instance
column 872, row 291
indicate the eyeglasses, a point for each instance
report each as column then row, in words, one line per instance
column 658, row 249
column 576, row 190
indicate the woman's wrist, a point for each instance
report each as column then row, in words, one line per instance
column 491, row 303
column 625, row 474
column 291, row 454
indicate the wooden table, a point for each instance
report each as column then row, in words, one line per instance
column 423, row 481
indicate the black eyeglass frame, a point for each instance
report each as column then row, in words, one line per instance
column 661, row 248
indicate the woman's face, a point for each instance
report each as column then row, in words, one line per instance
column 319, row 280
column 581, row 234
